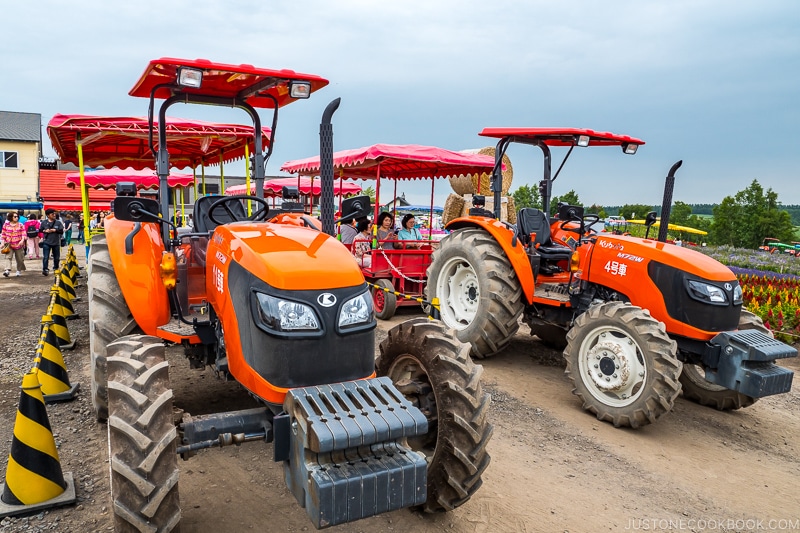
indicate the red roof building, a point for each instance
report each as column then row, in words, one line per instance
column 55, row 193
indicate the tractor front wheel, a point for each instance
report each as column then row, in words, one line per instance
column 141, row 437
column 383, row 299
column 622, row 364
column 109, row 319
column 478, row 290
column 697, row 389
column 435, row 373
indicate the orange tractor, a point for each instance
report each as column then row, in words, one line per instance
column 638, row 319
column 275, row 302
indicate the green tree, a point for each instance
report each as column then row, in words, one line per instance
column 527, row 196
column 598, row 210
column 635, row 211
column 750, row 215
column 369, row 191
column 680, row 213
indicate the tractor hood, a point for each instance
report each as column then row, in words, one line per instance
column 636, row 250
column 287, row 257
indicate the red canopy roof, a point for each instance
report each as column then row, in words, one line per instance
column 274, row 187
column 404, row 161
column 123, row 141
column 108, row 179
column 224, row 80
column 561, row 136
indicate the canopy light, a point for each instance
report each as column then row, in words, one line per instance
column 300, row 89
column 190, row 77
column 583, row 140
column 629, row 148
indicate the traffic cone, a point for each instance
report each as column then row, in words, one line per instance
column 52, row 372
column 34, row 479
column 67, row 294
column 63, row 296
column 59, row 325
column 74, row 269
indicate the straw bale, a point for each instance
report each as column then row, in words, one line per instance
column 512, row 211
column 453, row 208
column 479, row 184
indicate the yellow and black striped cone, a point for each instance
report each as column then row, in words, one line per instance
column 74, row 269
column 52, row 372
column 34, row 479
column 59, row 325
column 62, row 296
column 66, row 294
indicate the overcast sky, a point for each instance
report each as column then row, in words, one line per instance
column 712, row 82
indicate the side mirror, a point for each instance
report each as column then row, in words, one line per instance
column 356, row 207
column 650, row 218
column 133, row 209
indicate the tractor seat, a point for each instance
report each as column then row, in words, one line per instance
column 530, row 221
column 202, row 220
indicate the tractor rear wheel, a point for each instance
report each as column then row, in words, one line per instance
column 109, row 319
column 697, row 389
column 435, row 373
column 141, row 437
column 478, row 291
column 622, row 364
column 385, row 303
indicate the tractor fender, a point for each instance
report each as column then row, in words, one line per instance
column 138, row 273
column 511, row 246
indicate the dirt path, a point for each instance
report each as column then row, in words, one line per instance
column 554, row 467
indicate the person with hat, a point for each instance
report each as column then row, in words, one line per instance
column 52, row 230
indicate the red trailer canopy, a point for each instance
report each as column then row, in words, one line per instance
column 108, row 179
column 404, row 161
column 562, row 136
column 274, row 187
column 228, row 81
column 123, row 141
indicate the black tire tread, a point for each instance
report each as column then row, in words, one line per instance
column 142, row 437
column 109, row 319
column 389, row 299
column 463, row 429
column 497, row 320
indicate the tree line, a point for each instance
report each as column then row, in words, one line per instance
column 743, row 220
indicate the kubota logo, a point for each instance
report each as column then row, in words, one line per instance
column 728, row 287
column 326, row 299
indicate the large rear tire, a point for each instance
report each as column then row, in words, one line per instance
column 109, row 319
column 622, row 364
column 478, row 291
column 697, row 389
column 434, row 371
column 141, row 437
column 385, row 303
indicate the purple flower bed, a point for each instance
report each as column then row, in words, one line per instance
column 754, row 261
column 765, row 273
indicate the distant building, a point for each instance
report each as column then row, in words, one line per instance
column 20, row 152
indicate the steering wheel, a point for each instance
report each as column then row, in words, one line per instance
column 589, row 221
column 226, row 204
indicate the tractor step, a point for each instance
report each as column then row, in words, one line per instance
column 347, row 457
column 746, row 363
column 552, row 291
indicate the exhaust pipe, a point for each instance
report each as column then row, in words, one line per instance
column 326, row 204
column 666, row 203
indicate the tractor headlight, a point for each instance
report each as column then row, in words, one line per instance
column 357, row 311
column 707, row 293
column 738, row 297
column 285, row 315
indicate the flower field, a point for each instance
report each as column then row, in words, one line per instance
column 771, row 286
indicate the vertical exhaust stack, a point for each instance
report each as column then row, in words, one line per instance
column 666, row 203
column 326, row 205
